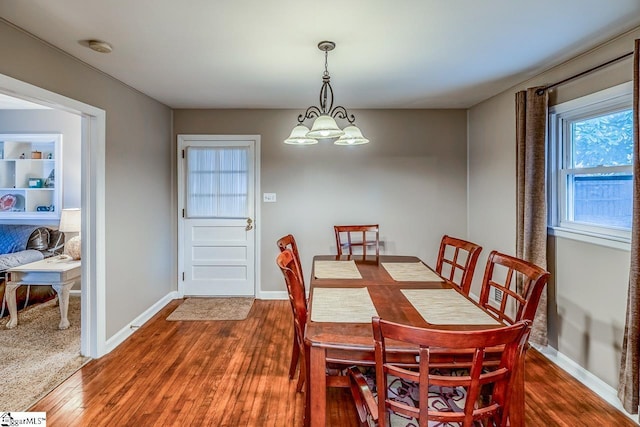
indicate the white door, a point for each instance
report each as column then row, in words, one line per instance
column 217, row 187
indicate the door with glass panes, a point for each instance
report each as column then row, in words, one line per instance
column 216, row 218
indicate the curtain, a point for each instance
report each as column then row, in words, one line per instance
column 628, row 387
column 531, row 239
column 217, row 182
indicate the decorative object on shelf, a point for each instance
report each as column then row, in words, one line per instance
column 7, row 202
column 22, row 156
column 325, row 126
column 50, row 182
column 12, row 203
column 36, row 154
column 43, row 208
column 49, row 156
column 71, row 222
column 35, row 182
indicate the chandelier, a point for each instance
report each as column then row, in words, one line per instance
column 325, row 126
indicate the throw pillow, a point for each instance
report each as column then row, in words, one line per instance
column 14, row 237
column 39, row 239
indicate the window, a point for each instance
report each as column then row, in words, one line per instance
column 591, row 148
column 217, row 182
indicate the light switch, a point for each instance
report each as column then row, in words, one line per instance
column 269, row 197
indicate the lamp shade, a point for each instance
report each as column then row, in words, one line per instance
column 299, row 136
column 352, row 136
column 325, row 127
column 70, row 221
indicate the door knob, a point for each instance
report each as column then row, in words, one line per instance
column 249, row 224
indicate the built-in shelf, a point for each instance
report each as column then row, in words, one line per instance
column 29, row 164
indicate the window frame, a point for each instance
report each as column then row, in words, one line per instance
column 611, row 100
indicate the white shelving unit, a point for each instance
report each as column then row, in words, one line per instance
column 30, row 176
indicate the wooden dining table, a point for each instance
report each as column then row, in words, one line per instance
column 345, row 293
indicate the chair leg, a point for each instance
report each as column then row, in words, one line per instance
column 295, row 356
column 302, row 374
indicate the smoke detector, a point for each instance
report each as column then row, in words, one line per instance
column 100, row 46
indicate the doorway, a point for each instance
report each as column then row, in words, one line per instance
column 218, row 183
column 93, row 122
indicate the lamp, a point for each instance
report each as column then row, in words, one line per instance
column 325, row 126
column 71, row 222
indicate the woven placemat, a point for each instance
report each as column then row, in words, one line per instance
column 447, row 307
column 336, row 270
column 411, row 272
column 343, row 305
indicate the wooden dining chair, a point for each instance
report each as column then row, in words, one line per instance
column 358, row 237
column 421, row 395
column 502, row 297
column 289, row 242
column 457, row 261
column 286, row 260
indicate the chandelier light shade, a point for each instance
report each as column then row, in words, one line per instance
column 352, row 136
column 299, row 136
column 325, row 125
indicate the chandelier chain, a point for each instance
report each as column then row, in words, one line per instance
column 326, row 95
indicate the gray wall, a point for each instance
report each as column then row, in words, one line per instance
column 588, row 287
column 411, row 179
column 140, row 241
column 53, row 121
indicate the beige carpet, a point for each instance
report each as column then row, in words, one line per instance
column 36, row 356
column 222, row 308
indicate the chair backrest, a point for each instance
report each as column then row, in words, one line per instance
column 349, row 237
column 289, row 267
column 289, row 242
column 457, row 261
column 499, row 295
column 506, row 344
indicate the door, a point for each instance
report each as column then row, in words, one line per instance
column 217, row 187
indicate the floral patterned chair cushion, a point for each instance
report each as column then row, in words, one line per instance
column 442, row 399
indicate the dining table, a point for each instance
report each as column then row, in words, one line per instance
column 347, row 291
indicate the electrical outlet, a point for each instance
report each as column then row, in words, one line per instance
column 269, row 197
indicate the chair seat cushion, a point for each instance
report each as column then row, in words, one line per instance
column 441, row 399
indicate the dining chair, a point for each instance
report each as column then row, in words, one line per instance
column 289, row 242
column 457, row 261
column 503, row 297
column 350, row 237
column 286, row 260
column 421, row 395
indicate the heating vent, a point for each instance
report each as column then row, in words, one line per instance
column 497, row 295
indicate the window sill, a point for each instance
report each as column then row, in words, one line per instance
column 592, row 238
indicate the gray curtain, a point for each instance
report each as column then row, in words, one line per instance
column 628, row 382
column 531, row 240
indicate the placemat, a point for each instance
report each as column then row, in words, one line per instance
column 447, row 307
column 336, row 270
column 411, row 272
column 344, row 305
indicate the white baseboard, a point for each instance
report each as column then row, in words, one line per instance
column 602, row 389
column 272, row 295
column 120, row 336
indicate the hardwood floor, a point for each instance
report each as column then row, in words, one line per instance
column 234, row 373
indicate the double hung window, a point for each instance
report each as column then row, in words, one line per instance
column 591, row 151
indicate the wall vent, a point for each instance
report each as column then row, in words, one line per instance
column 497, row 295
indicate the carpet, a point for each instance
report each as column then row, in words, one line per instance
column 232, row 308
column 36, row 356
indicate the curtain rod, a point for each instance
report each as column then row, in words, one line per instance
column 590, row 70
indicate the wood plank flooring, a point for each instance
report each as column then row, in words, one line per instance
column 234, row 373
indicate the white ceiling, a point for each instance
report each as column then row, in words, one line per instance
column 263, row 54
